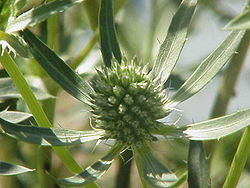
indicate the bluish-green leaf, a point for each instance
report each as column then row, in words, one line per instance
column 172, row 46
column 57, row 68
column 208, row 68
column 48, row 136
column 7, row 169
column 36, row 15
column 198, row 173
column 14, row 116
column 109, row 43
column 95, row 171
column 242, row 21
column 9, row 91
column 13, row 44
column 218, row 127
column 151, row 171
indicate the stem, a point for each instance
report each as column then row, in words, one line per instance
column 228, row 84
column 85, row 51
column 35, row 108
column 92, row 8
column 243, row 150
column 239, row 160
column 123, row 176
column 52, row 30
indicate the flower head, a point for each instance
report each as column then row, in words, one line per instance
column 127, row 103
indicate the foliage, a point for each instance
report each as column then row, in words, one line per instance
column 126, row 98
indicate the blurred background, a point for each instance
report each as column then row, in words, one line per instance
column 141, row 27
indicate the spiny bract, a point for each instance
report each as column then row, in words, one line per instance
column 127, row 103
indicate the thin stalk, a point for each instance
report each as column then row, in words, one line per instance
column 52, row 32
column 226, row 92
column 37, row 111
column 35, row 108
column 91, row 8
column 123, row 176
column 227, row 87
column 239, row 160
column 85, row 51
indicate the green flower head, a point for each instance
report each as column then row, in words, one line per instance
column 127, row 103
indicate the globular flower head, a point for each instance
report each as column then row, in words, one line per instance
column 127, row 103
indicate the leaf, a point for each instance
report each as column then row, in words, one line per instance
column 48, row 136
column 176, row 37
column 95, row 171
column 14, row 116
column 151, row 171
column 208, row 68
column 57, row 68
column 9, row 91
column 39, row 14
column 198, row 173
column 240, row 22
column 13, row 43
column 218, row 127
column 168, row 132
column 7, row 169
column 109, row 43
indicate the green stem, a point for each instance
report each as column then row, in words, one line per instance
column 239, row 160
column 91, row 8
column 243, row 150
column 35, row 108
column 123, row 176
column 85, row 51
column 52, row 32
column 228, row 84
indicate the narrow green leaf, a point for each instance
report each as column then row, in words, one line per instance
column 109, row 43
column 48, row 136
column 57, row 68
column 9, row 91
column 218, row 127
column 176, row 37
column 151, row 171
column 7, row 169
column 14, row 116
column 207, row 69
column 13, row 43
column 37, row 15
column 95, row 171
column 242, row 21
column 198, row 173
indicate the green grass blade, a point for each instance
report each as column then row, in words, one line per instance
column 218, row 127
column 48, row 136
column 207, row 69
column 9, row 91
column 39, row 14
column 57, row 68
column 7, row 169
column 95, row 171
column 151, row 171
column 14, row 116
column 198, row 173
column 109, row 43
column 172, row 46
